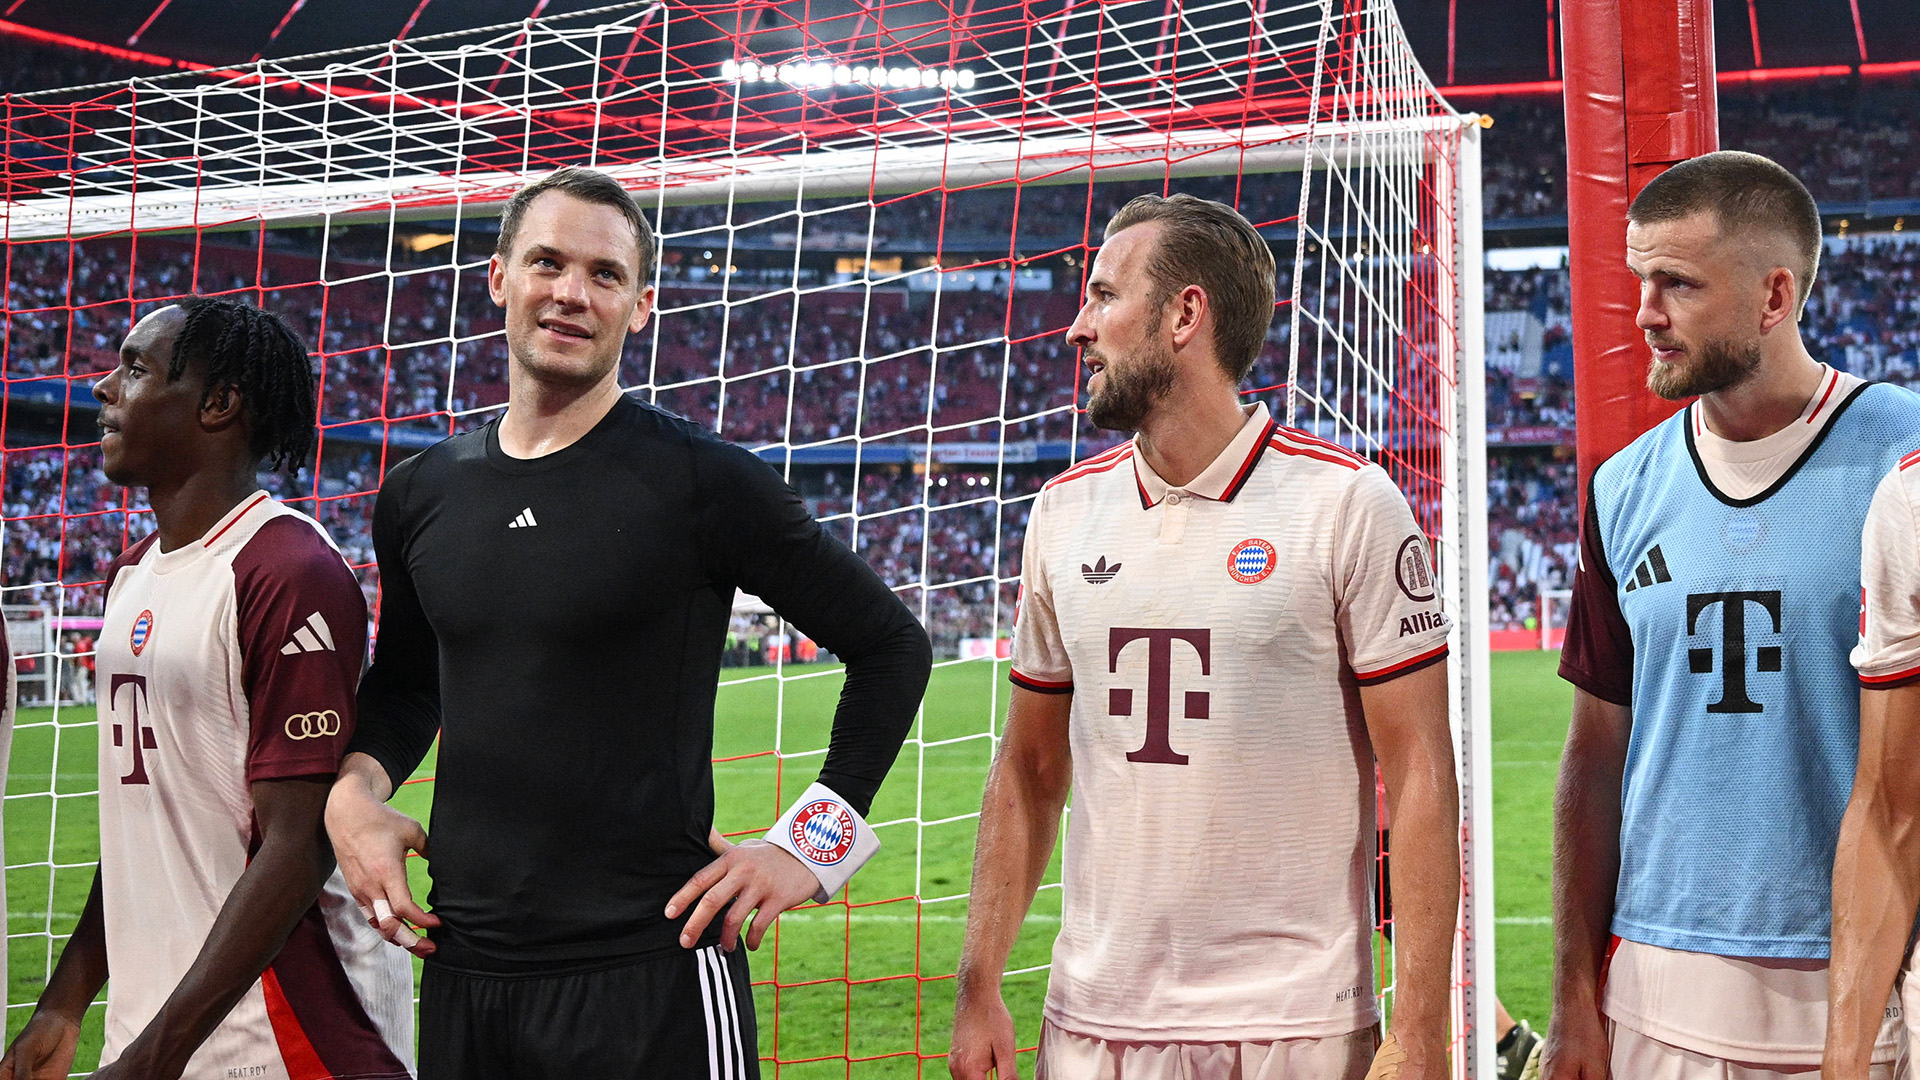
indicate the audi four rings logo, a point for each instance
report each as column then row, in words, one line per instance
column 313, row 725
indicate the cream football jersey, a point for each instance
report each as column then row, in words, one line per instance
column 231, row 660
column 1889, row 651
column 1888, row 654
column 1214, row 638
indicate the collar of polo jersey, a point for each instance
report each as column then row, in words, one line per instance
column 1221, row 480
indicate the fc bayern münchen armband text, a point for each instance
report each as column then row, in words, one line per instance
column 826, row 834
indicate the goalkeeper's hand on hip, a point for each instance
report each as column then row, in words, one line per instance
column 758, row 878
column 371, row 841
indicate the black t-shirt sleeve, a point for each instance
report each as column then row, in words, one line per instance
column 756, row 533
column 400, row 694
column 1598, row 655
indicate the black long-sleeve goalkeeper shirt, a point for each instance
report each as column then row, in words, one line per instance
column 560, row 621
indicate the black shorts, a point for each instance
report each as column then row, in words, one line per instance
column 687, row 1015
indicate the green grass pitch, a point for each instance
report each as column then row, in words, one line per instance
column 866, row 980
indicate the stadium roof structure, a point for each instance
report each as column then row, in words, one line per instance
column 654, row 93
column 1459, row 42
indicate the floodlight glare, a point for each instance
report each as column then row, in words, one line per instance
column 805, row 73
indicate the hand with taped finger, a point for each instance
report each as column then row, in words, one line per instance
column 1419, row 1058
column 1387, row 1060
column 371, row 841
column 751, row 878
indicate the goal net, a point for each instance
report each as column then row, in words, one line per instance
column 875, row 222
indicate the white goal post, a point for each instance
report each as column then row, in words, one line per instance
column 1554, row 606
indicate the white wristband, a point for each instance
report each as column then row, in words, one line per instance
column 826, row 834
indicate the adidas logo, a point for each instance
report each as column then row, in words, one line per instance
column 1652, row 568
column 523, row 520
column 1099, row 573
column 313, row 637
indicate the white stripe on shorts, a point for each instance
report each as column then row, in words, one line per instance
column 706, row 1001
column 733, row 1013
column 724, row 1060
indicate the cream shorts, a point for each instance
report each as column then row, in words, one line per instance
column 1065, row 1055
column 1639, row 1057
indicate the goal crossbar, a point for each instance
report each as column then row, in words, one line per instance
column 826, row 173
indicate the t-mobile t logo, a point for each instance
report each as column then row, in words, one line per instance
column 142, row 736
column 1733, row 645
column 1159, row 686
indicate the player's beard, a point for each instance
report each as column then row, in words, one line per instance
column 1717, row 365
column 1131, row 389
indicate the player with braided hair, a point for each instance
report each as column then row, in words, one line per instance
column 232, row 643
column 256, row 353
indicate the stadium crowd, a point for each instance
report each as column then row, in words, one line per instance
column 1849, row 140
column 409, row 342
column 941, row 370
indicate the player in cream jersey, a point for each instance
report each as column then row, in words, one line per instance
column 229, row 662
column 232, row 644
column 1215, row 681
column 1222, row 623
column 1876, row 871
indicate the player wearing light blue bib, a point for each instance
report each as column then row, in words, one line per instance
column 1716, row 715
column 1745, row 706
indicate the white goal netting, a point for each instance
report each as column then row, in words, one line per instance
column 875, row 223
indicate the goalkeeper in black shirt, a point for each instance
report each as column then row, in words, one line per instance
column 556, row 589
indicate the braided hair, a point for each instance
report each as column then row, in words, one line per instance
column 258, row 355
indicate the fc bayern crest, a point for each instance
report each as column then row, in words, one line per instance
column 142, row 630
column 1251, row 561
column 823, row 832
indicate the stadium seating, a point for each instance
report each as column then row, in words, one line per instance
column 719, row 350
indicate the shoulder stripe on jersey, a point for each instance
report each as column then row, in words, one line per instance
column 1833, row 380
column 1404, row 667
column 1346, row 460
column 1889, row 682
column 257, row 500
column 1097, row 464
column 1303, row 440
column 1910, row 461
column 1107, row 456
column 1038, row 686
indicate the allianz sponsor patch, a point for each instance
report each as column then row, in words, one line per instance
column 1421, row 622
column 1251, row 561
column 823, row 832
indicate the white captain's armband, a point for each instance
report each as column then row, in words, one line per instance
column 826, row 834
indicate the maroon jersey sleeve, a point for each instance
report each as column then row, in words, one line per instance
column 303, row 640
column 1598, row 656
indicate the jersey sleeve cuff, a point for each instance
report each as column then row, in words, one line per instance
column 1891, row 680
column 828, row 836
column 1039, row 686
column 313, row 769
column 1404, row 667
column 1594, row 685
